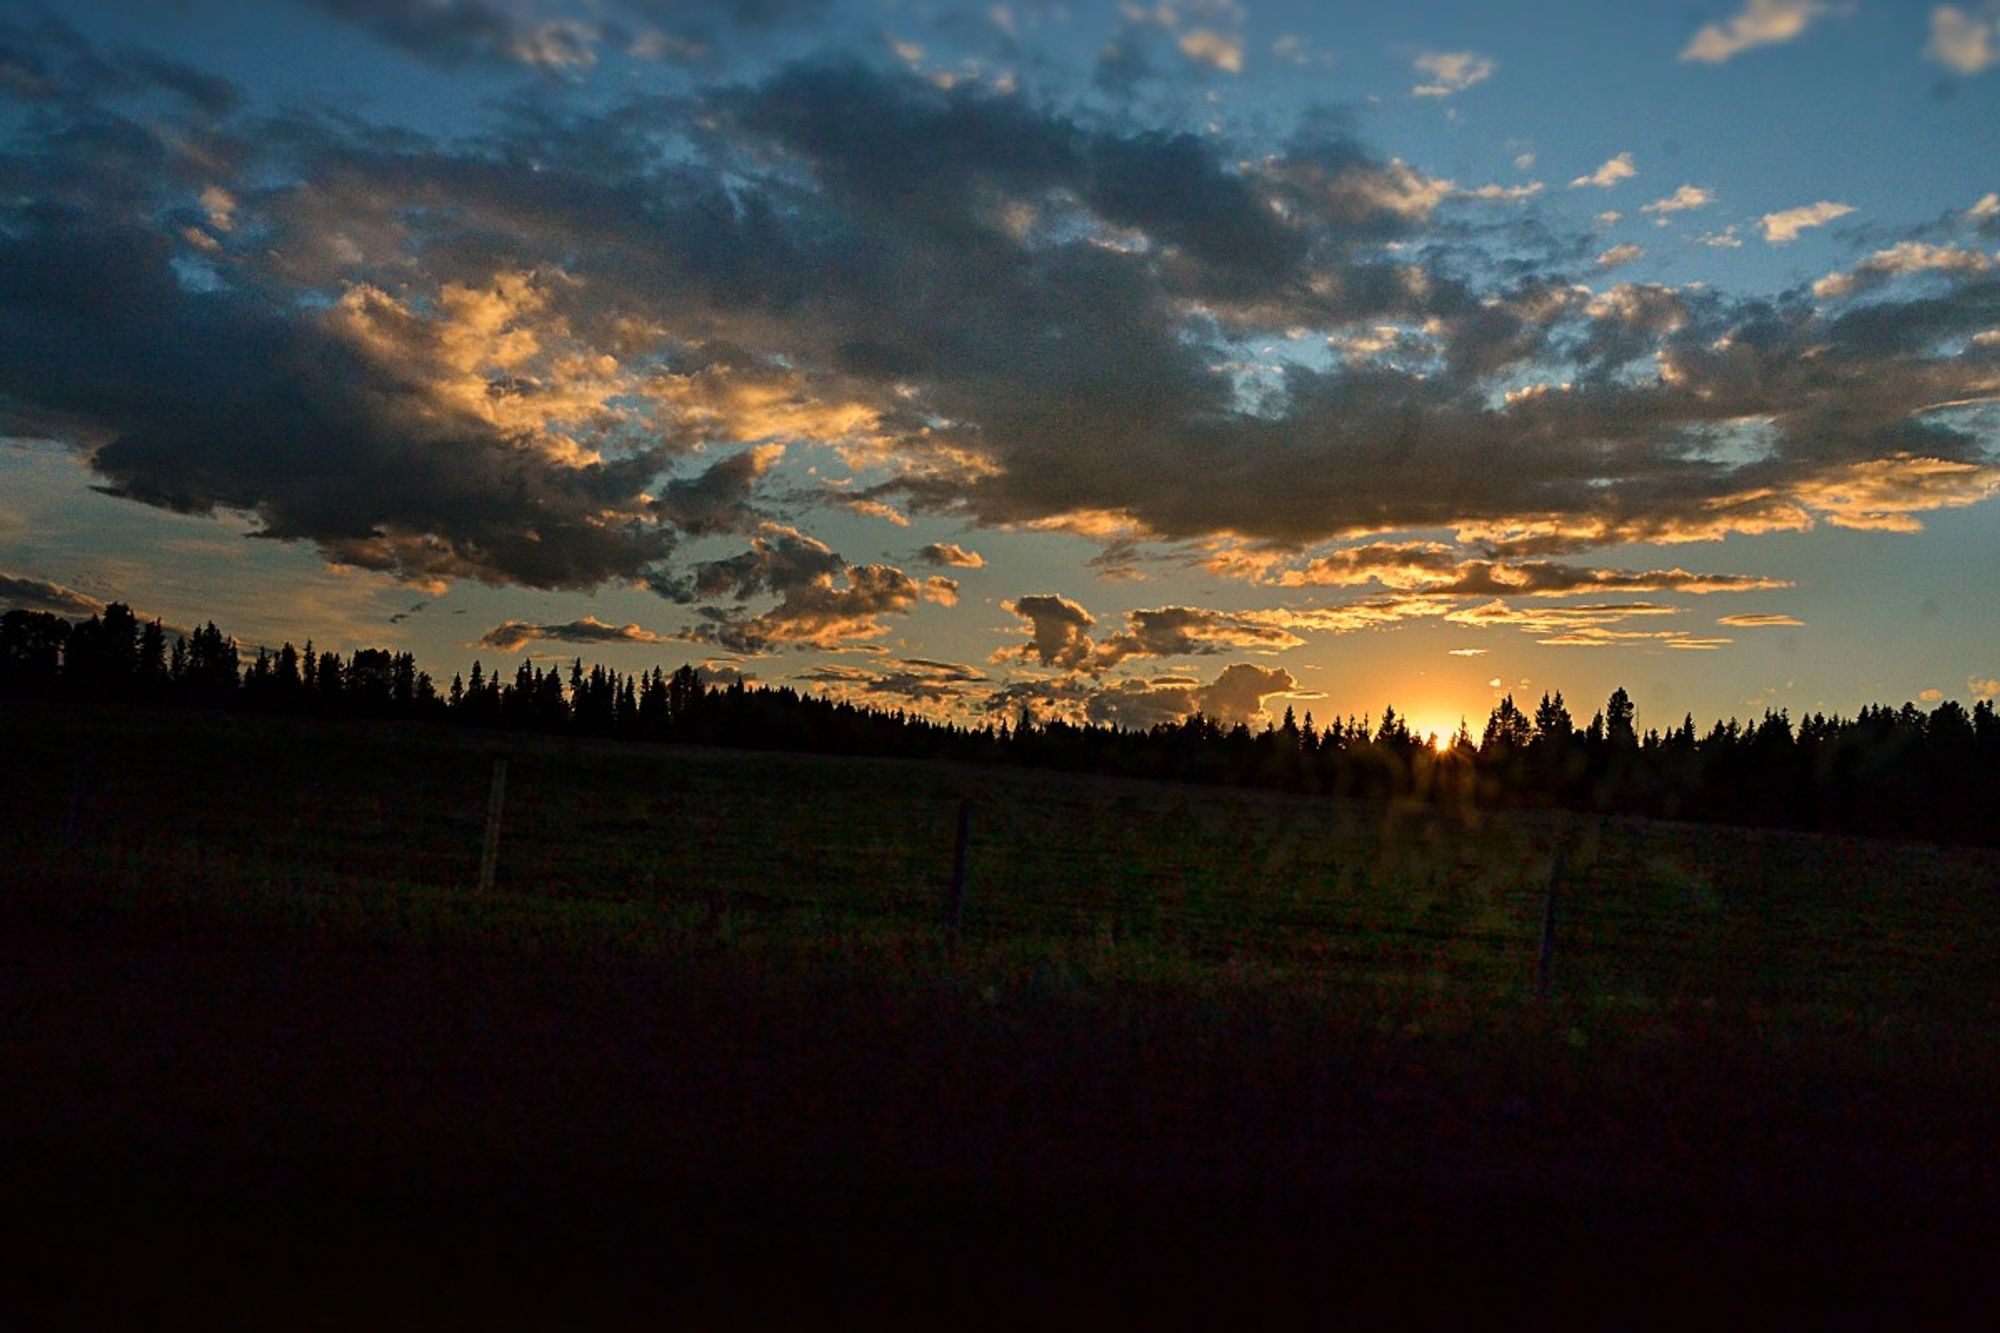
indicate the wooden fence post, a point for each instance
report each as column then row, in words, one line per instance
column 489, row 854
column 79, row 787
column 1560, row 867
column 955, row 904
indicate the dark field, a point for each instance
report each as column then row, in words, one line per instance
column 702, row 1055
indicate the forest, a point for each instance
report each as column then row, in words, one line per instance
column 1888, row 771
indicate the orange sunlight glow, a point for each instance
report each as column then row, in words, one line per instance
column 1438, row 728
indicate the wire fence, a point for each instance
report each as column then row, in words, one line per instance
column 1429, row 895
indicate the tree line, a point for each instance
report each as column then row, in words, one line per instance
column 1897, row 772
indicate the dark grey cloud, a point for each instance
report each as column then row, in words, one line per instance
column 1041, row 698
column 22, row 592
column 1025, row 312
column 1235, row 696
column 43, row 59
column 19, row 592
column 823, row 612
column 1190, row 631
column 1060, row 634
column 206, row 400
column 723, row 675
column 456, row 33
column 822, row 601
column 513, row 635
column 717, row 499
column 920, row 680
column 780, row 560
column 449, row 31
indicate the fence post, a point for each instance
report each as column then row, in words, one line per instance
column 955, row 904
column 489, row 854
column 78, row 788
column 1560, row 868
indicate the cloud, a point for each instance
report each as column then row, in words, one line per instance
column 513, row 635
column 1759, row 620
column 344, row 426
column 1059, row 634
column 920, row 680
column 1235, row 696
column 820, row 612
column 1433, row 569
column 1545, row 619
column 1508, row 193
column 951, row 555
column 1598, row 625
column 1900, row 260
column 457, row 35
column 1784, row 227
column 43, row 60
column 454, row 33
column 1181, row 631
column 1238, row 694
column 1466, row 652
column 1761, row 23
column 1609, row 174
column 1042, row 697
column 420, row 356
column 779, row 560
column 18, row 592
column 1619, row 254
column 822, row 601
column 1963, row 43
column 869, row 508
column 1983, row 688
column 1885, row 494
column 716, row 499
column 723, row 674
column 1452, row 72
column 1223, row 51
column 1597, row 631
column 1351, row 617
column 1680, row 201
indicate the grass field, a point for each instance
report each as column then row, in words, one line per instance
column 255, row 1002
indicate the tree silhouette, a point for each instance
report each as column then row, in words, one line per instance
column 1897, row 771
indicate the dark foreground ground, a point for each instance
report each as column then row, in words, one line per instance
column 217, row 1112
column 297, row 1135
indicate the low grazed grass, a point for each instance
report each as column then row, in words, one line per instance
column 257, row 1006
column 368, row 831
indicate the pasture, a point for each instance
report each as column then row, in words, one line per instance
column 255, row 1001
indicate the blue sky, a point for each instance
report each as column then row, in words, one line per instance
column 1118, row 359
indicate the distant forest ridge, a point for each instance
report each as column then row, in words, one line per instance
column 1888, row 771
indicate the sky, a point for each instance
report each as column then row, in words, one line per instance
column 1113, row 360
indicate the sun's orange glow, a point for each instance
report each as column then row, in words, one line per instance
column 1436, row 727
